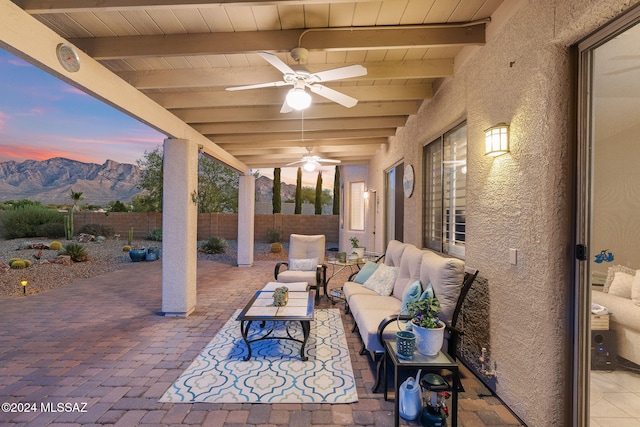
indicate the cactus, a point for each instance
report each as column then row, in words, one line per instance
column 68, row 227
column 12, row 260
column 130, row 237
column 126, row 248
column 78, row 253
column 55, row 246
column 27, row 263
column 18, row 264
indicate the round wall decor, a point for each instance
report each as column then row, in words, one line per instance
column 408, row 181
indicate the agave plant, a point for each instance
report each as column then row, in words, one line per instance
column 76, row 252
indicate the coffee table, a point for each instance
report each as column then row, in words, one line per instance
column 260, row 308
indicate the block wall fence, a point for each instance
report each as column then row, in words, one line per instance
column 215, row 224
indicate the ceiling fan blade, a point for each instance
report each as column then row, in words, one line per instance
column 296, row 162
column 258, row 85
column 328, row 161
column 340, row 73
column 334, row 95
column 276, row 62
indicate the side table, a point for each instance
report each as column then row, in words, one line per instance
column 428, row 364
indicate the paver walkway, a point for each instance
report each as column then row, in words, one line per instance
column 96, row 352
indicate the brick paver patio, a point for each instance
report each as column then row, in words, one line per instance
column 96, row 352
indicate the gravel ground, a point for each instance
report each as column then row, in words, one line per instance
column 103, row 257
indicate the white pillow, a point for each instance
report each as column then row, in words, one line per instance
column 303, row 264
column 621, row 285
column 611, row 273
column 635, row 288
column 382, row 280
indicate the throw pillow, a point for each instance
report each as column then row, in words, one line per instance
column 303, row 264
column 382, row 280
column 428, row 293
column 411, row 294
column 365, row 272
column 621, row 285
column 611, row 274
column 635, row 288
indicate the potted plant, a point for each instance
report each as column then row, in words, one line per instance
column 429, row 329
column 275, row 236
column 357, row 250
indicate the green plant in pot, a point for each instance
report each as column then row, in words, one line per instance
column 429, row 329
column 357, row 251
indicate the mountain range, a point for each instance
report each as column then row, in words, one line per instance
column 51, row 182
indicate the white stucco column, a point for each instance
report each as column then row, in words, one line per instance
column 179, row 227
column 246, row 210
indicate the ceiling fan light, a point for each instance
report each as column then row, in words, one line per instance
column 309, row 167
column 298, row 99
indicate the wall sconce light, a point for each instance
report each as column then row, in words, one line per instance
column 497, row 140
column 366, row 195
column 24, row 284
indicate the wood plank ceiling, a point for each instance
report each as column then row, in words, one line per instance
column 183, row 54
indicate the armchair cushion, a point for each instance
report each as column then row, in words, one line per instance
column 365, row 272
column 303, row 264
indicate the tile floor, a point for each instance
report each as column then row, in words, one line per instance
column 101, row 342
column 615, row 399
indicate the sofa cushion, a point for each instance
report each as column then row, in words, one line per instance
column 393, row 254
column 352, row 288
column 408, row 271
column 382, row 280
column 611, row 274
column 365, row 272
column 303, row 264
column 635, row 289
column 446, row 276
column 621, row 285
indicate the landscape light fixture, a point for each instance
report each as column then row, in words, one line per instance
column 298, row 98
column 497, row 140
column 24, row 284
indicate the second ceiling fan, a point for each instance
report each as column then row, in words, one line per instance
column 298, row 98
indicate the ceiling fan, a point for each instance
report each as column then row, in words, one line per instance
column 312, row 162
column 298, row 98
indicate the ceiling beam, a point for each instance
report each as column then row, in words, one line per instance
column 353, row 150
column 317, row 111
column 275, row 96
column 351, row 38
column 290, row 136
column 346, row 143
column 238, row 76
column 35, row 7
column 296, row 126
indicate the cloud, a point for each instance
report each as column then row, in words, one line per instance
column 16, row 62
column 29, row 152
column 73, row 90
column 3, row 118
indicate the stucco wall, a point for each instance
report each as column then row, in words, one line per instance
column 523, row 200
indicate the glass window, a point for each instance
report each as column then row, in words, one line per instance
column 356, row 206
column 445, row 192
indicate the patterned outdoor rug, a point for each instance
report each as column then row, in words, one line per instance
column 275, row 373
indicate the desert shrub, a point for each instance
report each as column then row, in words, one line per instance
column 55, row 245
column 76, row 252
column 156, row 234
column 274, row 235
column 51, row 230
column 97, row 230
column 25, row 221
column 215, row 245
column 18, row 264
